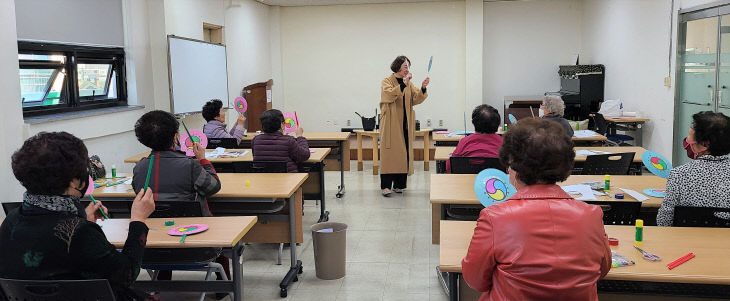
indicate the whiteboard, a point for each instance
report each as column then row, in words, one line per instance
column 197, row 74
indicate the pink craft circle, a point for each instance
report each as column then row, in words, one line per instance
column 186, row 144
column 188, row 229
column 90, row 189
column 240, row 104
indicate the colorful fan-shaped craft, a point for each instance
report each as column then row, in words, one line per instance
column 186, row 143
column 652, row 192
column 656, row 164
column 240, row 104
column 492, row 186
column 291, row 122
column 512, row 118
column 188, row 229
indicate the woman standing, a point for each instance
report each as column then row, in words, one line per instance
column 397, row 124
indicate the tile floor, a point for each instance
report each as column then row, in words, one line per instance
column 389, row 250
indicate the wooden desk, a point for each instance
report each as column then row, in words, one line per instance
column 263, row 188
column 225, row 232
column 451, row 189
column 627, row 124
column 375, row 134
column 317, row 156
column 709, row 245
column 443, row 153
column 339, row 139
column 445, row 140
column 315, row 164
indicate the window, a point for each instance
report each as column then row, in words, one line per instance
column 57, row 78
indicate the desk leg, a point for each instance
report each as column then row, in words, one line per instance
column 323, row 215
column 237, row 271
column 376, row 153
column 426, row 152
column 435, row 223
column 296, row 265
column 359, row 152
column 341, row 188
column 453, row 286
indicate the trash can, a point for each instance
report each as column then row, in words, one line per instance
column 330, row 246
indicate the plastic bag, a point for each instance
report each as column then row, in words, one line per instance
column 612, row 108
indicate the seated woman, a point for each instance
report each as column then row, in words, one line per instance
column 273, row 145
column 485, row 142
column 553, row 108
column 540, row 243
column 51, row 236
column 215, row 116
column 704, row 181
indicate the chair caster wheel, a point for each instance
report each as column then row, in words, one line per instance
column 283, row 293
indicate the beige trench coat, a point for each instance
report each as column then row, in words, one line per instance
column 392, row 145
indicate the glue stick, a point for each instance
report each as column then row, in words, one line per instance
column 114, row 171
column 607, row 182
column 639, row 232
column 505, row 127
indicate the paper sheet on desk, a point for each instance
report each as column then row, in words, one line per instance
column 637, row 195
column 584, row 134
column 585, row 191
column 585, row 152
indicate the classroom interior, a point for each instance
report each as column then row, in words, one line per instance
column 323, row 59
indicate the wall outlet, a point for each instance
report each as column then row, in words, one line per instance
column 348, row 122
column 441, row 122
column 428, row 122
column 667, row 81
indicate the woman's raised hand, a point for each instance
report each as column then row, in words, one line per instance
column 425, row 82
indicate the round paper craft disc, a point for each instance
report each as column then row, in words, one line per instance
column 657, row 193
column 186, row 144
column 512, row 118
column 240, row 104
column 656, row 164
column 188, row 229
column 90, row 188
column 492, row 186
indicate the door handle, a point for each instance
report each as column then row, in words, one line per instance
column 696, row 103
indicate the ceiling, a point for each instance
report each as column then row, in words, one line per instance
column 336, row 2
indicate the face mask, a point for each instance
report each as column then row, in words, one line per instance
column 541, row 113
column 690, row 149
column 84, row 181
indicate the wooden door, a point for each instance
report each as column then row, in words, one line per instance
column 255, row 95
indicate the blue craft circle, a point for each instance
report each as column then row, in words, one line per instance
column 512, row 118
column 652, row 192
column 656, row 164
column 492, row 186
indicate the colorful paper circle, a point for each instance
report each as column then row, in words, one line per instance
column 289, row 123
column 512, row 118
column 656, row 164
column 657, row 193
column 186, row 143
column 90, row 188
column 188, row 229
column 240, row 104
column 491, row 186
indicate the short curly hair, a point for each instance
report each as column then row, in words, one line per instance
column 554, row 104
column 47, row 162
column 538, row 150
column 712, row 130
column 212, row 109
column 486, row 119
column 157, row 130
column 395, row 65
column 271, row 120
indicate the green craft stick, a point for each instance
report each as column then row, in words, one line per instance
column 183, row 238
column 102, row 210
column 192, row 138
column 149, row 171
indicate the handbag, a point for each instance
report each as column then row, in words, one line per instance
column 96, row 168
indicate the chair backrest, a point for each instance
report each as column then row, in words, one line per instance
column 611, row 164
column 222, row 142
column 618, row 213
column 165, row 209
column 260, row 167
column 57, row 290
column 473, row 165
column 701, row 217
column 600, row 123
column 7, row 207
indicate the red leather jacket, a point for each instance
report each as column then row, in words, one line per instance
column 539, row 244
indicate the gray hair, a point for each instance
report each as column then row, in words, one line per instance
column 554, row 104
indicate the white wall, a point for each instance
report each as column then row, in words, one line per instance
column 11, row 119
column 334, row 58
column 524, row 42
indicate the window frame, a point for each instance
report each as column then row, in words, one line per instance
column 74, row 54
